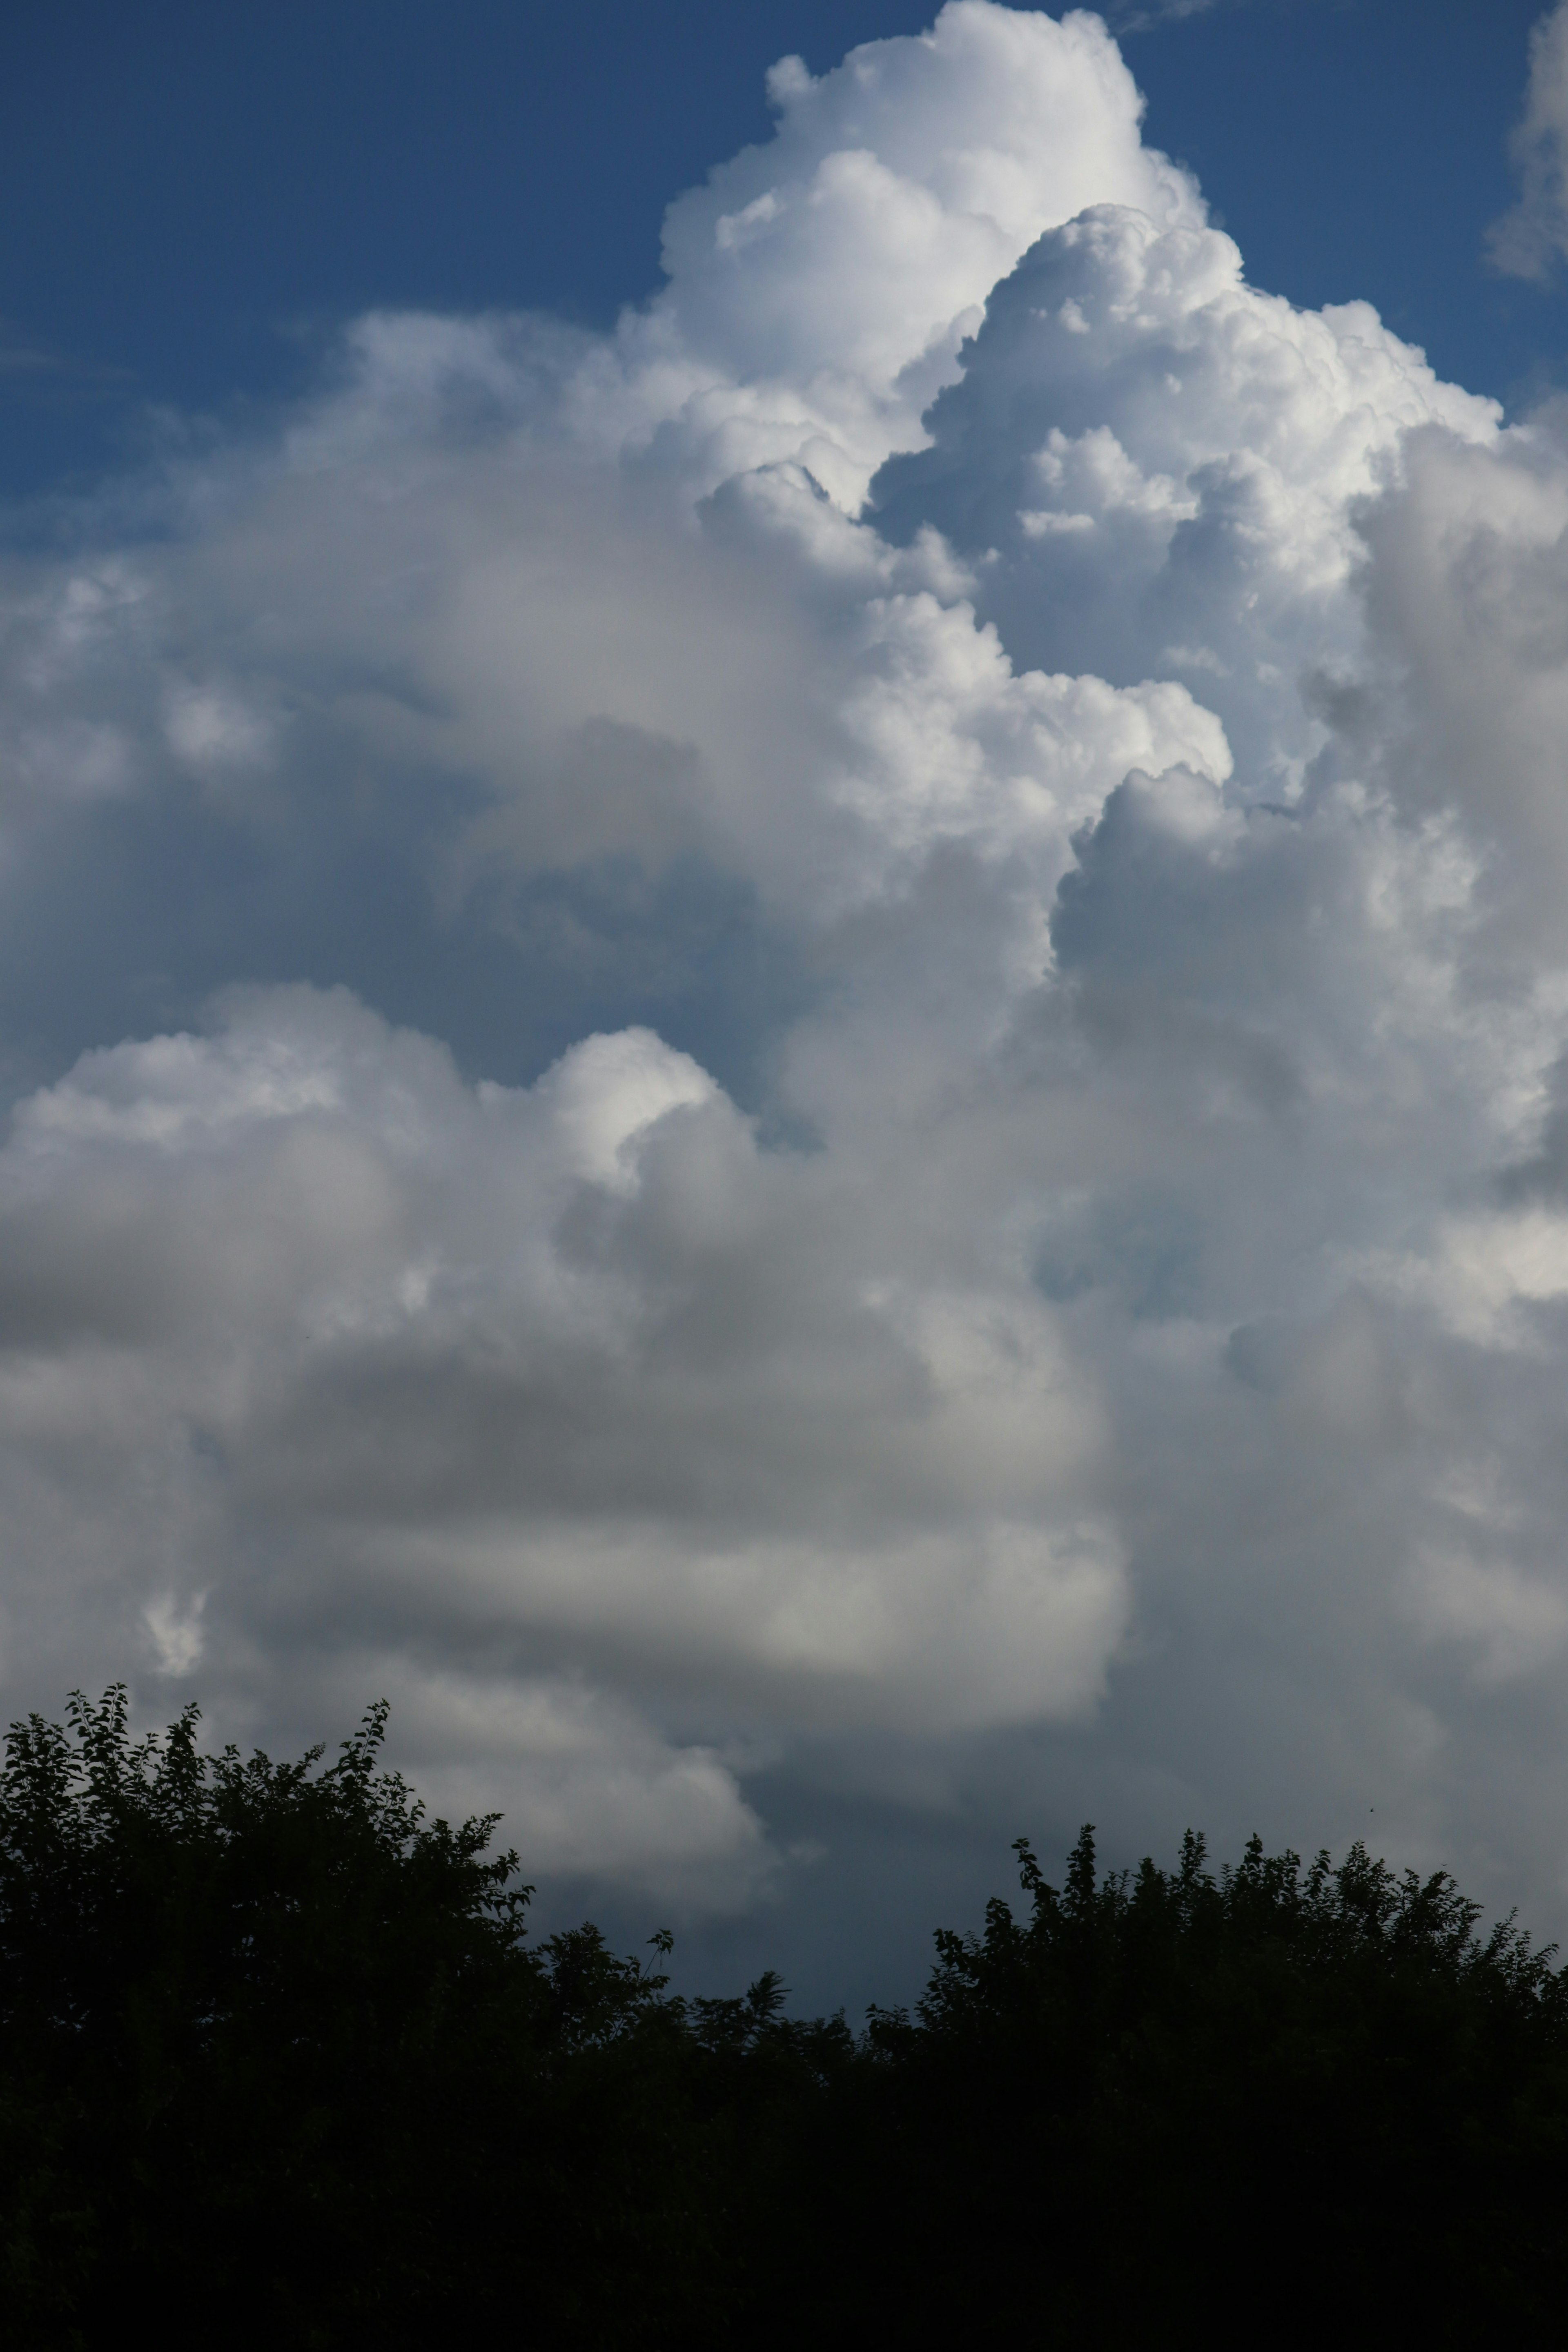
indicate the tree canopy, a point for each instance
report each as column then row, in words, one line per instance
column 279, row 2061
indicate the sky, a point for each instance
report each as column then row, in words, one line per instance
column 196, row 199
column 783, row 869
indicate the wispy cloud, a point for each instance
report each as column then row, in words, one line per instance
column 1141, row 15
column 22, row 356
column 1531, row 239
column 40, row 370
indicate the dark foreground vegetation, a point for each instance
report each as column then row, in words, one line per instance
column 279, row 2066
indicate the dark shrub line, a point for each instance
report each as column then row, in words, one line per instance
column 278, row 2061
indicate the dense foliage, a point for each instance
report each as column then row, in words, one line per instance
column 277, row 2063
column 1279, row 2102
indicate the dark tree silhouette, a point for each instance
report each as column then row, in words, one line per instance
column 278, row 2061
column 1314, row 2094
column 279, row 2064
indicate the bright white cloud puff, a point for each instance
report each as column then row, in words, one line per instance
column 820, row 1046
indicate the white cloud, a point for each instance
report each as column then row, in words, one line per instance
column 820, row 285
column 1133, row 19
column 862, row 1144
column 587, row 1784
column 1199, row 448
column 1509, row 1625
column 580, row 1359
column 1529, row 240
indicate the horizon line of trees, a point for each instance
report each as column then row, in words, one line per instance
column 278, row 2061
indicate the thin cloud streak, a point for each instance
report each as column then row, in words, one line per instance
column 1530, row 240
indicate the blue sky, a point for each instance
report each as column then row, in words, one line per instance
column 790, row 1031
column 194, row 197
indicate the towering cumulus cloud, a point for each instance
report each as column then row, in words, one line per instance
column 811, row 1065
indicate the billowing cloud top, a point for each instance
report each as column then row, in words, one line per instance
column 819, row 1047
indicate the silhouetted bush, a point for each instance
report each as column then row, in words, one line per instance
column 279, row 2064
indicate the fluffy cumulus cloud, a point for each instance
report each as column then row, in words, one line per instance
column 811, row 1064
